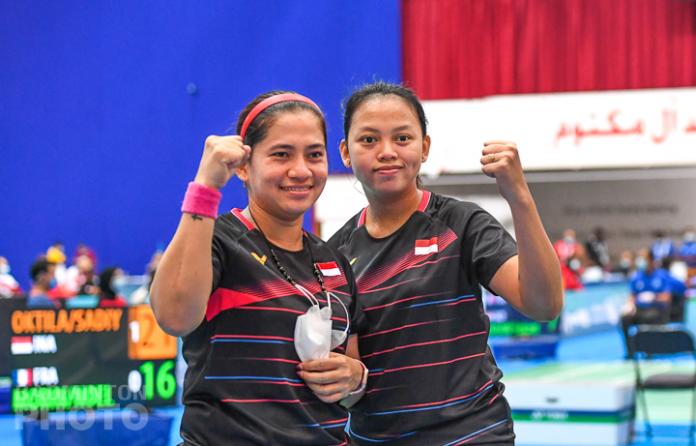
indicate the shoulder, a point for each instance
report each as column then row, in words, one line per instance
column 327, row 251
column 230, row 227
column 342, row 236
column 457, row 214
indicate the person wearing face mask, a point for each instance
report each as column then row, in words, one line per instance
column 9, row 287
column 687, row 251
column 110, row 281
column 662, row 246
column 263, row 306
column 650, row 299
column 43, row 280
column 571, row 255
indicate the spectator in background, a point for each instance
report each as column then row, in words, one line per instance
column 687, row 250
column 142, row 294
column 662, row 247
column 42, row 274
column 84, row 250
column 9, row 287
column 80, row 277
column 109, row 282
column 650, row 299
column 625, row 263
column 571, row 255
column 677, row 291
column 56, row 255
column 597, row 249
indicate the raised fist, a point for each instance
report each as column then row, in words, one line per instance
column 221, row 157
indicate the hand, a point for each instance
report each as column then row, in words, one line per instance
column 501, row 161
column 221, row 157
column 331, row 379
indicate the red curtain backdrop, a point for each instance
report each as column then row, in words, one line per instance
column 475, row 48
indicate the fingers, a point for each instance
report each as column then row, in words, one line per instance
column 330, row 379
column 228, row 150
column 498, row 156
column 330, row 393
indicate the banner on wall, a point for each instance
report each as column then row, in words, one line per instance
column 560, row 131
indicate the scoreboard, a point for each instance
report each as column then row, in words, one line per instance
column 80, row 358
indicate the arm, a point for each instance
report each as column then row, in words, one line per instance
column 530, row 281
column 182, row 285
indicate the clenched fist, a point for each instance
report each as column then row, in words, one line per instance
column 501, row 161
column 221, row 156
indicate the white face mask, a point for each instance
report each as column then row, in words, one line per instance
column 314, row 338
column 641, row 263
column 4, row 268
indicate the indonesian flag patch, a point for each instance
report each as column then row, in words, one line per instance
column 426, row 246
column 328, row 269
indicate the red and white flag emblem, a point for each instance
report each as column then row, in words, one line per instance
column 22, row 345
column 329, row 269
column 426, row 246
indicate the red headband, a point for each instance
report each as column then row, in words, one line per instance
column 268, row 102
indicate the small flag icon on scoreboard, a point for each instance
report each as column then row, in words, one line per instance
column 22, row 345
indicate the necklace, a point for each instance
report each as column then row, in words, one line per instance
column 280, row 266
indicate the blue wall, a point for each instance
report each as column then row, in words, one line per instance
column 98, row 133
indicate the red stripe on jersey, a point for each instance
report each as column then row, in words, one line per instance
column 429, row 364
column 363, row 215
column 421, row 344
column 280, row 338
column 266, row 400
column 377, row 276
column 425, row 199
column 289, row 361
column 278, row 383
column 406, row 299
column 223, row 299
column 403, row 327
column 436, row 403
column 238, row 213
column 286, row 310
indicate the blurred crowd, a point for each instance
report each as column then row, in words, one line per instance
column 55, row 284
column 588, row 261
column 661, row 276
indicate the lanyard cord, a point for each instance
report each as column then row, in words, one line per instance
column 282, row 269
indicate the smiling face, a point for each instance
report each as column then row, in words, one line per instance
column 385, row 146
column 288, row 167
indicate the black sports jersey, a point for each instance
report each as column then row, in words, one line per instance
column 433, row 379
column 241, row 386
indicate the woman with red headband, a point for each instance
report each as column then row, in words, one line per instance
column 262, row 311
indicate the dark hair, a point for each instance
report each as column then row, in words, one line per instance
column 258, row 129
column 38, row 267
column 381, row 88
column 106, row 291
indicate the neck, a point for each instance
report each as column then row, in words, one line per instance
column 38, row 290
column 286, row 234
column 387, row 214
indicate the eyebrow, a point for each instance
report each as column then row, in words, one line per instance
column 397, row 129
column 292, row 147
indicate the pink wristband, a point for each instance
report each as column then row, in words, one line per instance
column 201, row 200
